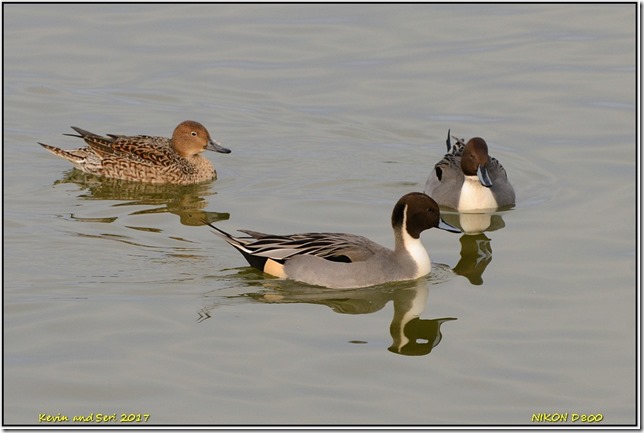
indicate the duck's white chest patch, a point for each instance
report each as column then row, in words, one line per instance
column 475, row 196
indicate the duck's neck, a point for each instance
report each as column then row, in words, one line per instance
column 413, row 248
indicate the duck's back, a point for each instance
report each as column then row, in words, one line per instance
column 333, row 260
column 142, row 158
column 445, row 181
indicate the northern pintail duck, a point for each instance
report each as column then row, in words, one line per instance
column 144, row 158
column 467, row 178
column 340, row 260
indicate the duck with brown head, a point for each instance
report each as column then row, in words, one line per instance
column 468, row 178
column 144, row 158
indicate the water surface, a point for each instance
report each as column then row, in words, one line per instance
column 117, row 300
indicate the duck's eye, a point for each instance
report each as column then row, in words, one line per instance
column 193, row 133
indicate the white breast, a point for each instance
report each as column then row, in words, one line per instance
column 475, row 196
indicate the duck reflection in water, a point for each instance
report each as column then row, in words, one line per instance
column 185, row 201
column 476, row 254
column 476, row 247
column 411, row 335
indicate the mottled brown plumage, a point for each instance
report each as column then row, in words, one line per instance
column 144, row 158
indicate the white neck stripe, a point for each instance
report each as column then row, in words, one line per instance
column 415, row 249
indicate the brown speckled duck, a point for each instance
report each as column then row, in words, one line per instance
column 143, row 158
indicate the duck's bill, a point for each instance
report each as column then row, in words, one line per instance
column 484, row 176
column 216, row 147
column 448, row 227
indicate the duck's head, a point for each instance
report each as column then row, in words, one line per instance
column 416, row 212
column 191, row 138
column 475, row 159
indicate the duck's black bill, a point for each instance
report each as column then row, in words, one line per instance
column 447, row 227
column 216, row 147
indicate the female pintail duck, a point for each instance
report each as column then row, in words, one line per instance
column 340, row 260
column 467, row 178
column 143, row 158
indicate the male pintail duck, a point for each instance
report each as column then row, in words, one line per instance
column 143, row 158
column 340, row 260
column 467, row 178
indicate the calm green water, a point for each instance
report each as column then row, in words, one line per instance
column 118, row 301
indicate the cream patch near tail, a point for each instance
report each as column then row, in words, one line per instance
column 274, row 268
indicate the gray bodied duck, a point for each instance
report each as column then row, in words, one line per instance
column 341, row 260
column 468, row 178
